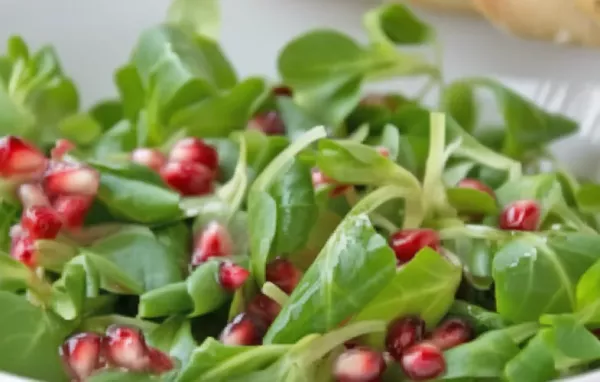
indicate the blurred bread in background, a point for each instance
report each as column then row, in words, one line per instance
column 559, row 21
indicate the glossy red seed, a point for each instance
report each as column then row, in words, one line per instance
column 23, row 250
column 20, row 161
column 32, row 195
column 232, row 276
column 159, row 362
column 242, row 330
column 82, row 354
column 359, row 364
column 522, row 215
column 126, row 347
column 282, row 91
column 71, row 179
column 284, row 274
column 213, row 241
column 451, row 333
column 41, row 222
column 61, row 147
column 402, row 333
column 195, row 150
column 269, row 123
column 189, row 178
column 151, row 158
column 72, row 210
column 320, row 180
column 406, row 243
column 476, row 185
column 263, row 309
column 423, row 361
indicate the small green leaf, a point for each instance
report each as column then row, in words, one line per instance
column 482, row 320
column 572, row 342
column 262, row 209
column 131, row 90
column 80, row 128
column 204, row 289
column 174, row 337
column 16, row 48
column 397, row 24
column 203, row 17
column 535, row 363
column 167, row 300
column 588, row 199
column 107, row 113
column 14, row 275
column 102, row 273
column 467, row 200
column 69, row 292
column 459, row 103
column 232, row 193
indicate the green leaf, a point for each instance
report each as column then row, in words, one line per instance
column 390, row 139
column 205, row 290
column 213, row 361
column 203, row 17
column 572, row 342
column 131, row 90
column 482, row 320
column 536, row 275
column 476, row 256
column 141, row 256
column 233, row 192
column 295, row 120
column 176, row 239
column 459, row 103
column 102, row 273
column 107, row 113
column 8, row 217
column 467, row 200
column 355, row 264
column 425, row 287
column 121, row 138
column 14, row 275
column 396, row 23
column 80, row 128
column 16, row 48
column 28, row 341
column 167, row 300
column 69, row 292
column 535, row 363
column 123, row 376
column 14, row 119
column 174, row 337
column 587, row 198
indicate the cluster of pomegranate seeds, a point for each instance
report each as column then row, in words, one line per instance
column 284, row 274
column 213, row 240
column 190, row 168
column 55, row 194
column 521, row 215
column 232, row 276
column 269, row 123
column 359, row 364
column 121, row 347
column 420, row 356
column 408, row 242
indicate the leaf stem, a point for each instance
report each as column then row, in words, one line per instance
column 274, row 293
column 474, row 232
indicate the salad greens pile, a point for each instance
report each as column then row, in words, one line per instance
column 344, row 173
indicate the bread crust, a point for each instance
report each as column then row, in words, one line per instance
column 561, row 21
column 591, row 8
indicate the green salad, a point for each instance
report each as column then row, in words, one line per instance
column 203, row 227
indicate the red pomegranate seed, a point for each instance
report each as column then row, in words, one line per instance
column 451, row 333
column 41, row 222
column 406, row 243
column 61, row 147
column 20, row 161
column 360, row 364
column 284, row 274
column 263, row 309
column 159, row 361
column 32, row 195
column 213, row 241
column 269, row 123
column 197, row 151
column 402, row 334
column 82, row 354
column 188, row 178
column 282, row 91
column 383, row 151
column 126, row 347
column 242, row 330
column 232, row 276
column 320, row 180
column 423, row 361
column 151, row 158
column 71, row 179
column 522, row 215
column 476, row 185
column 72, row 210
column 23, row 250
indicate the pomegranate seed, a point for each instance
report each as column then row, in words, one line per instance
column 263, row 309
column 408, row 242
column 282, row 91
column 232, row 276
column 159, row 361
column 284, row 274
column 197, row 151
column 423, row 361
column 125, row 347
column 360, row 364
column 20, row 161
column 72, row 210
column 476, row 185
column 383, row 151
column 23, row 249
column 242, row 330
column 61, row 147
column 71, row 179
column 522, row 215
column 451, row 333
column 269, row 123
column 151, row 158
column 82, row 354
column 188, row 178
column 402, row 334
column 319, row 180
column 213, row 241
column 32, row 195
column 41, row 222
